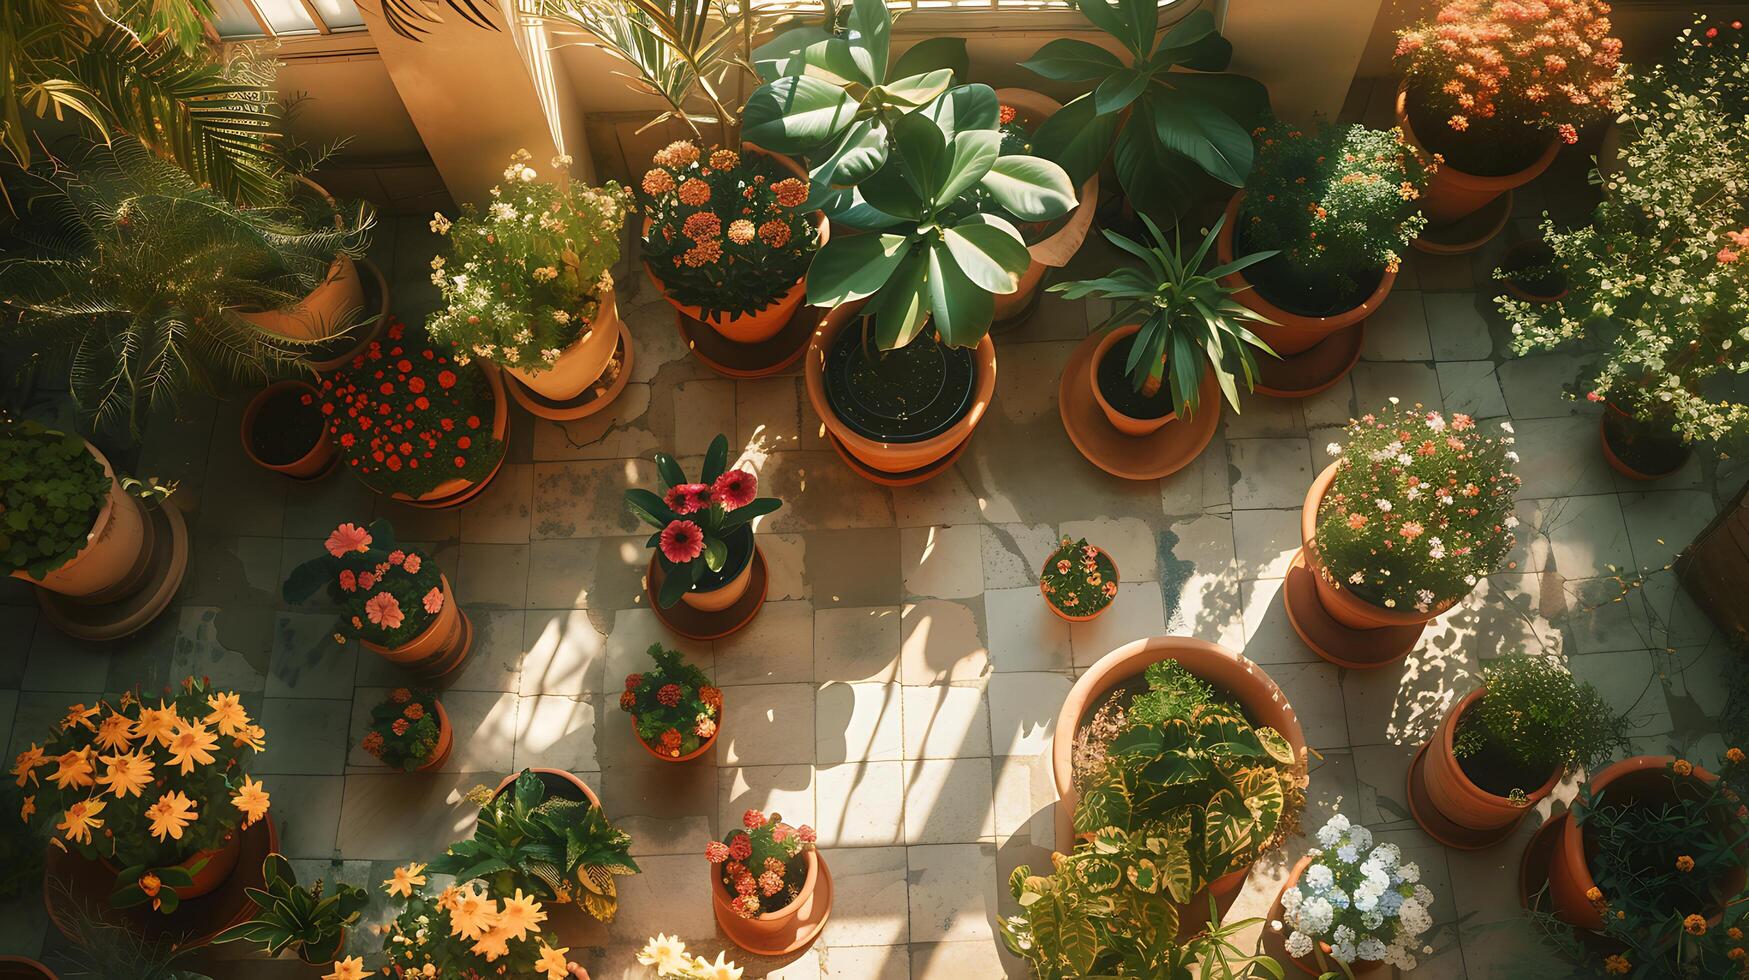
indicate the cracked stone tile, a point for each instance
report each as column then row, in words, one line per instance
column 587, row 499
column 1471, row 388
column 1269, row 473
column 857, row 644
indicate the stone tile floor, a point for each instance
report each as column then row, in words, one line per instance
column 899, row 689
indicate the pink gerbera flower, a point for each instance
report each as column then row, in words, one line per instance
column 412, row 564
column 735, row 488
column 686, row 498
column 347, row 538
column 348, row 581
column 434, row 601
column 682, row 541
column 384, row 610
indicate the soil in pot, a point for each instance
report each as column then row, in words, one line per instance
column 1536, row 258
column 1117, row 387
column 1649, row 447
column 1497, row 147
column 286, row 429
column 1494, row 770
column 907, row 395
column 1276, row 281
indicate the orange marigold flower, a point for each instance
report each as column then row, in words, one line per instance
column 1695, row 925
column 790, row 192
column 694, row 192
column 1616, row 963
column 704, row 253
column 1682, row 767
column 677, row 154
column 774, row 233
column 657, row 182
column 1593, row 894
column 1684, row 863
column 701, row 225
column 722, row 159
column 1005, row 114
column 741, row 231
column 1733, row 754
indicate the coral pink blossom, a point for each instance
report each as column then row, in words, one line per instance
column 434, row 601
column 753, row 819
column 716, row 852
column 347, row 538
column 348, row 581
column 384, row 610
column 682, row 541
column 806, row 833
column 412, row 564
column 397, row 556
column 366, row 581
column 735, row 488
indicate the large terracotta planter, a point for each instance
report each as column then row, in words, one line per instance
column 1288, row 333
column 1055, row 251
column 445, row 741
column 451, row 493
column 1310, row 966
column 1128, row 425
column 332, row 305
column 309, row 466
column 581, row 364
column 115, row 559
column 1463, row 815
column 440, row 647
column 554, row 778
column 789, row 928
column 1452, row 195
column 893, row 457
column 19, row 968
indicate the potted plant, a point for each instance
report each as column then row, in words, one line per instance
column 395, row 600
column 335, row 303
column 1415, row 510
column 769, row 886
column 410, row 730
column 292, row 916
column 668, row 956
column 284, row 431
column 1049, row 244
column 469, row 929
column 536, row 296
column 1502, row 748
column 415, row 419
column 1493, row 88
column 545, row 834
column 1334, row 206
column 1659, row 279
column 1352, row 903
column 160, row 795
column 704, row 548
column 70, row 526
column 675, row 710
column 1079, row 580
column 1175, row 118
column 725, row 237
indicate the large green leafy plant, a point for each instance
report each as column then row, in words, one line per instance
column 289, row 915
column 51, row 491
column 1169, row 113
column 1541, row 717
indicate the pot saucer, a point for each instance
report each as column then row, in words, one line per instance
column 1467, row 233
column 167, row 541
column 696, row 624
column 1437, row 825
column 1344, row 646
column 736, row 360
column 587, row 403
column 808, row 931
column 1162, row 452
column 324, row 357
column 1314, row 369
column 901, row 478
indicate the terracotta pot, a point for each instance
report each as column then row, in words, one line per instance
column 774, row 933
column 1125, row 424
column 1342, row 604
column 445, row 740
column 115, row 559
column 1521, row 253
column 1615, row 461
column 1077, row 619
column 1451, row 194
column 313, row 463
column 580, row 365
column 1288, row 333
column 335, row 301
column 1360, row 968
column 1055, row 251
column 220, row 862
column 1642, row 779
column 451, row 493
column 440, row 647
column 1457, row 799
column 727, row 594
column 19, row 968
column 550, row 776
column 703, row 747
column 894, row 457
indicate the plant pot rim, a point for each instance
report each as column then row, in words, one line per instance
column 1468, row 181
column 1106, row 343
column 1226, row 250
column 252, row 412
column 1334, row 591
column 1448, row 745
column 1614, row 459
column 422, row 635
column 98, row 524
column 810, row 881
column 1056, row 249
column 24, row 961
column 443, row 722
column 1116, row 576
column 703, row 746
column 567, row 776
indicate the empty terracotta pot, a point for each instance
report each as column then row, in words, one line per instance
column 789, row 928
column 440, row 647
column 115, row 559
column 1126, row 424
column 1310, row 965
column 580, row 365
column 452, row 493
column 1480, row 817
column 311, row 464
column 1451, row 194
column 1060, row 246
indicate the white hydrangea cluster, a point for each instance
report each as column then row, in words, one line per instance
column 1362, row 900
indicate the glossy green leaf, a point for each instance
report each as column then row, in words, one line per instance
column 1118, row 90
column 989, row 251
column 919, row 90
column 716, row 459
column 860, row 152
column 668, row 470
column 1030, row 188
column 871, row 28
column 853, row 267
column 971, row 154
column 1196, row 129
column 794, row 114
column 893, row 191
column 932, row 53
column 1196, row 43
column 902, row 308
column 786, row 53
column 1078, row 138
column 964, row 108
column 922, row 149
column 1069, row 60
column 715, row 553
column 961, row 309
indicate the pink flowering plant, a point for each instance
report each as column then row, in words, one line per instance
column 404, row 729
column 1419, row 510
column 673, row 705
column 704, row 532
column 1078, row 578
column 761, row 865
column 387, row 594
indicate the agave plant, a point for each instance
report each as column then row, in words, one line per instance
column 289, row 915
column 1188, row 318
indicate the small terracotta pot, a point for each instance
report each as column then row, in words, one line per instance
column 440, row 647
column 1457, row 799
column 1065, row 616
column 313, row 463
column 1288, row 333
column 1125, row 424
column 1360, row 968
column 336, row 299
column 451, row 493
column 893, row 457
column 115, row 559
column 703, row 747
column 19, row 968
column 729, row 593
column 580, row 365
column 220, row 862
column 445, row 741
column 1518, row 254
column 1055, row 251
column 557, row 774
column 1451, row 194
column 776, row 933
column 304, row 953
column 1615, row 461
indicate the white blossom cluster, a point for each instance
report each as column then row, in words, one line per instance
column 1362, row 900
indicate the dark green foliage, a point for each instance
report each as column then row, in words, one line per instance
column 1541, row 716
column 289, row 915
column 51, row 491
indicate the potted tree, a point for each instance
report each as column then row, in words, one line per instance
column 1397, row 530
column 395, row 600
column 1079, row 580
column 770, row 888
column 527, row 286
column 336, row 302
column 1352, row 908
column 293, row 916
column 1502, row 748
column 1493, row 89
column 676, row 713
column 284, row 431
column 410, row 730
column 1335, row 206
column 471, row 929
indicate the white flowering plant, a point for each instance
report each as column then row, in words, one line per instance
column 523, row 281
column 668, row 956
column 1419, row 510
column 1358, row 898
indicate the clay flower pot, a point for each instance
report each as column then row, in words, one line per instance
column 1289, row 333
column 451, row 493
column 115, row 559
column 440, row 647
column 563, row 918
column 219, row 863
column 1310, row 966
column 1464, row 815
column 580, row 365
column 1452, row 195
column 335, row 301
column 730, row 592
column 1089, row 617
column 19, row 968
column 789, row 928
column 703, row 747
column 445, row 738
column 1055, row 251
column 273, row 398
column 1126, row 424
column 894, row 457
column 1614, row 418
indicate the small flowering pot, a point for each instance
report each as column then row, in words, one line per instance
column 1625, row 438
column 116, row 557
column 1068, row 617
column 703, row 747
column 1060, row 246
column 787, row 929
column 445, row 741
column 1463, row 815
column 1314, row 965
column 19, row 968
column 440, row 647
column 284, row 431
column 1452, row 195
column 1129, row 425
column 580, row 365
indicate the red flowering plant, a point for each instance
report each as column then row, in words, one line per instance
column 388, row 594
column 403, row 728
column 704, row 532
column 761, row 865
column 674, row 708
column 727, row 232
column 408, row 417
column 1491, row 67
